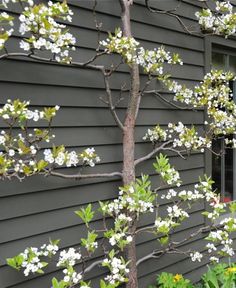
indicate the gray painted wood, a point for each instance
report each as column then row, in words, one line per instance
column 44, row 206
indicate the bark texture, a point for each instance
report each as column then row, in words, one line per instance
column 129, row 141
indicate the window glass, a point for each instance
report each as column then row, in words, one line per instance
column 216, row 165
column 228, row 193
column 218, row 61
column 232, row 64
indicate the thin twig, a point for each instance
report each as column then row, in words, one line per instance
column 171, row 14
column 110, row 102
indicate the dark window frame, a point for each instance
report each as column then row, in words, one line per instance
column 224, row 167
column 223, row 46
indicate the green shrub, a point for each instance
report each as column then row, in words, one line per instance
column 220, row 276
column 168, row 280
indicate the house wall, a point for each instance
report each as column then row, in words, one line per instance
column 40, row 207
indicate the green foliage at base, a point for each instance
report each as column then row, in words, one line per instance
column 218, row 276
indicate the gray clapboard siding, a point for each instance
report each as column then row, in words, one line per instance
column 49, row 200
column 44, row 206
column 84, row 136
column 46, row 95
column 186, row 11
column 184, row 72
column 101, row 117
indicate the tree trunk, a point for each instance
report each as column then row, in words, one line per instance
column 129, row 177
column 129, row 143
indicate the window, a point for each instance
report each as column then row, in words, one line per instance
column 224, row 166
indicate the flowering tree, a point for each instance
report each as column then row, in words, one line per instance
column 41, row 27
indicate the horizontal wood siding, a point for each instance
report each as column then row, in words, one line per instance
column 40, row 208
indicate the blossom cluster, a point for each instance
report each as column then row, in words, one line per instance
column 18, row 111
column 152, row 61
column 137, row 197
column 60, row 156
column 20, row 152
column 67, row 259
column 222, row 238
column 118, row 269
column 163, row 225
column 213, row 94
column 187, row 137
column 125, row 46
column 119, row 235
column 5, row 20
column 222, row 21
column 90, row 157
column 90, row 242
column 168, row 173
column 6, row 2
column 177, row 212
column 196, row 256
column 155, row 134
column 46, row 32
column 30, row 260
column 19, row 156
column 181, row 136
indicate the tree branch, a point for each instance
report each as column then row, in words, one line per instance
column 110, row 102
column 149, row 155
column 49, row 60
column 171, row 14
column 175, row 151
column 172, row 247
column 94, row 264
column 158, row 95
column 85, row 176
column 145, row 229
column 154, row 254
column 194, row 234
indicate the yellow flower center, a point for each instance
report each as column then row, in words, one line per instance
column 178, row 277
column 231, row 270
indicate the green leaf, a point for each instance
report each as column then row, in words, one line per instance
column 16, row 261
column 56, row 284
column 23, row 147
column 41, row 165
column 232, row 207
column 86, row 214
column 54, row 242
column 164, row 240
